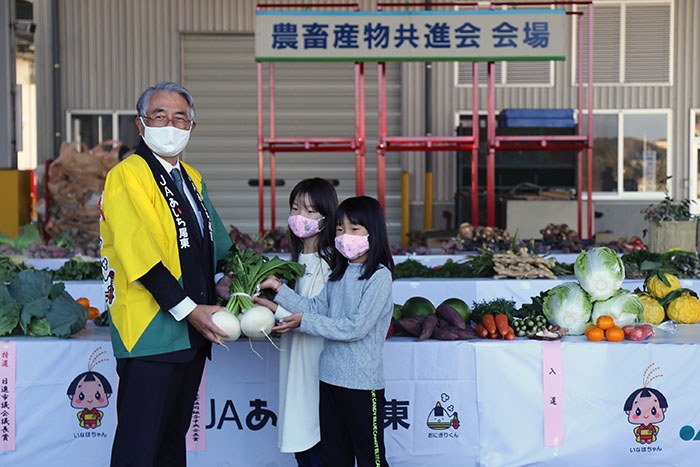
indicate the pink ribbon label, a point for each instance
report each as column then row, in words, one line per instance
column 8, row 362
column 197, row 434
column 553, row 388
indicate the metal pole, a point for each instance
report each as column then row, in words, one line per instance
column 381, row 132
column 475, row 151
column 579, row 153
column 273, row 181
column 261, row 153
column 8, row 154
column 491, row 158
column 428, row 197
column 590, row 121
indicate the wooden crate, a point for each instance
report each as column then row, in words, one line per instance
column 672, row 234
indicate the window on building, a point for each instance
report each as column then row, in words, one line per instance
column 94, row 127
column 631, row 43
column 514, row 73
column 634, row 144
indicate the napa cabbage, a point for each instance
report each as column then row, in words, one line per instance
column 568, row 306
column 600, row 272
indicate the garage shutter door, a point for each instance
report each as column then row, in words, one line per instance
column 313, row 99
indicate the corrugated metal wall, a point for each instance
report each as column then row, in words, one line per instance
column 111, row 50
column 450, row 100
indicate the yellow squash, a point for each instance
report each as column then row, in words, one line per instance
column 684, row 309
column 655, row 285
column 653, row 311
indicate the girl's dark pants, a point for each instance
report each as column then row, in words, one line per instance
column 352, row 427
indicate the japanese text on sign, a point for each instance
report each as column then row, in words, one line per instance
column 426, row 35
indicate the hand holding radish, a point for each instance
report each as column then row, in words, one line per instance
column 223, row 286
column 289, row 323
column 200, row 318
column 265, row 302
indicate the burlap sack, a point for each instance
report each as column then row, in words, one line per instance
column 75, row 181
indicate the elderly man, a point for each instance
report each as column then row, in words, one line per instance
column 161, row 242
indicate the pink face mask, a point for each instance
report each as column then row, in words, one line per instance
column 352, row 246
column 303, row 226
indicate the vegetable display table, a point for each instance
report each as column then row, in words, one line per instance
column 457, row 403
column 470, row 290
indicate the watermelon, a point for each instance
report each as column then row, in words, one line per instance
column 417, row 306
column 459, row 305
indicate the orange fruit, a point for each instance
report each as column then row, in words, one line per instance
column 589, row 327
column 94, row 312
column 614, row 334
column 605, row 322
column 84, row 301
column 596, row 334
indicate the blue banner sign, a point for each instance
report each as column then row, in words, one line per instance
column 421, row 36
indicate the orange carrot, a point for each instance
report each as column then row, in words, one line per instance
column 510, row 335
column 489, row 323
column 481, row 331
column 502, row 324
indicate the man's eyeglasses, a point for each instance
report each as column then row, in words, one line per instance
column 161, row 121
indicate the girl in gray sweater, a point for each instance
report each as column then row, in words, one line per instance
column 352, row 313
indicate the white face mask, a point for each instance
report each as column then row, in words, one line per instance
column 166, row 141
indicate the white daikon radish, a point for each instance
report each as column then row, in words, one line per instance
column 228, row 323
column 256, row 323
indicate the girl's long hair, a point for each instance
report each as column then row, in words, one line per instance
column 365, row 211
column 325, row 201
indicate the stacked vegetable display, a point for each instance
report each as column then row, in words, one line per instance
column 665, row 298
column 418, row 317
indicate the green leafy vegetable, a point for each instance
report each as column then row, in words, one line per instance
column 33, row 304
column 77, row 269
column 248, row 270
column 29, row 235
column 38, row 327
column 600, row 272
column 9, row 311
column 30, row 285
column 498, row 305
column 37, row 308
column 66, row 316
column 569, row 306
column 9, row 268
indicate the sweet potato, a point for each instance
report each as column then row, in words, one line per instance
column 451, row 315
column 502, row 324
column 412, row 325
column 446, row 334
column 429, row 326
column 464, row 334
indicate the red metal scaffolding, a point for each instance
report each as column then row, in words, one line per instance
column 274, row 144
column 385, row 143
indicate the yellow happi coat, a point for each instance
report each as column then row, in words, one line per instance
column 137, row 231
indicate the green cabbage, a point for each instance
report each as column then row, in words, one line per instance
column 600, row 272
column 568, row 306
column 624, row 307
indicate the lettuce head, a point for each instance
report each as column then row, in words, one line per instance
column 624, row 307
column 568, row 306
column 600, row 272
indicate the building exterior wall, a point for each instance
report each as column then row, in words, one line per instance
column 112, row 50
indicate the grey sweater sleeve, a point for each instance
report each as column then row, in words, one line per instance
column 357, row 324
column 295, row 303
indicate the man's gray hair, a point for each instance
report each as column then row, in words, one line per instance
column 165, row 86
